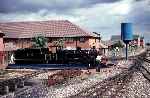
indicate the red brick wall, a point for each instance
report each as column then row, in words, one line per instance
column 19, row 43
column 1, row 44
column 73, row 44
column 25, row 43
column 2, row 65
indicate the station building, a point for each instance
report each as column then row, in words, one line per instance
column 20, row 34
column 137, row 40
column 17, row 35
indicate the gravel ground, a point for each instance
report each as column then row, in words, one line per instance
column 37, row 91
column 106, row 89
column 139, row 87
column 147, row 66
column 45, row 75
column 76, row 85
column 135, row 85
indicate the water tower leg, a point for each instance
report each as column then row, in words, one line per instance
column 126, row 51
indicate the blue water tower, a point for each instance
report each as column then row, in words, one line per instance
column 126, row 35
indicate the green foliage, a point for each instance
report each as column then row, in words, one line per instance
column 39, row 42
column 119, row 44
column 132, row 47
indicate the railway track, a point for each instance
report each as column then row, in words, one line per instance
column 143, row 68
column 109, row 87
column 115, row 86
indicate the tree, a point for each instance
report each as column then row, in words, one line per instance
column 39, row 42
column 119, row 44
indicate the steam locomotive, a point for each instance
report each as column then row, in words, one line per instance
column 44, row 56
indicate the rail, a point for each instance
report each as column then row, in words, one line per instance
column 25, row 77
column 118, row 81
column 142, row 68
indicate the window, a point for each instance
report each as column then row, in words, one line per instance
column 69, row 40
column 82, row 39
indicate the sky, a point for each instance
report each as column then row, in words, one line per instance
column 102, row 16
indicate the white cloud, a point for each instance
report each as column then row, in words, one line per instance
column 101, row 17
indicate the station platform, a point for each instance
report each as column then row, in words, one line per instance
column 46, row 66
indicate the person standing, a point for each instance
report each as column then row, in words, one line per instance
column 93, row 55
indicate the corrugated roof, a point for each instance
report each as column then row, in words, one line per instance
column 118, row 37
column 115, row 37
column 53, row 28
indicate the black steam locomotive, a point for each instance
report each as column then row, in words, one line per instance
column 44, row 56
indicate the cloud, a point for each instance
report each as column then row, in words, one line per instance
column 102, row 16
column 8, row 6
column 140, row 17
